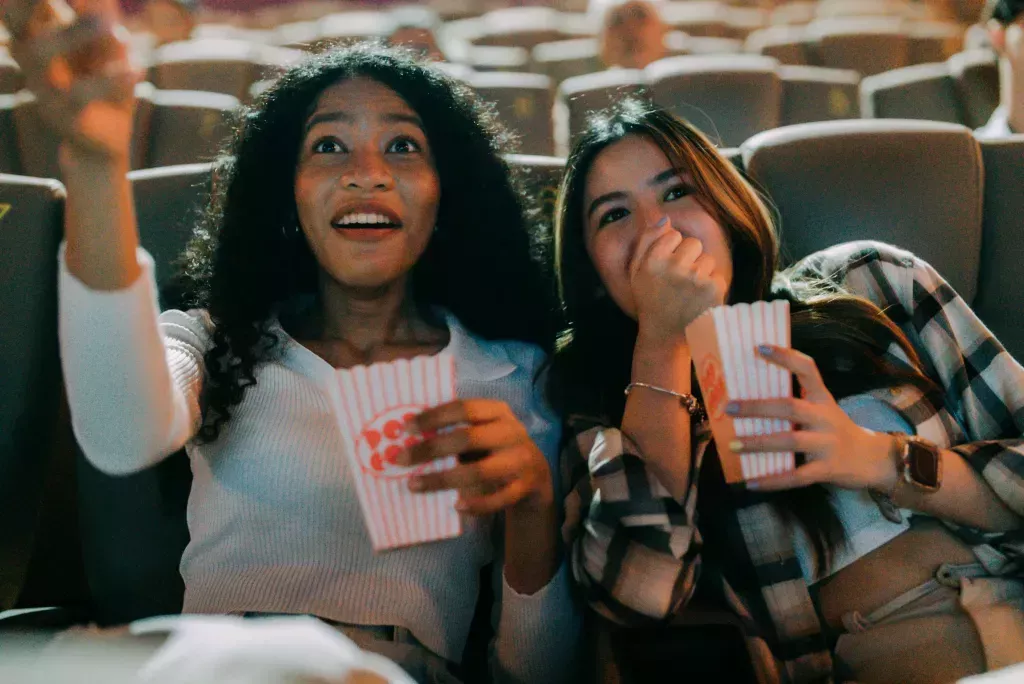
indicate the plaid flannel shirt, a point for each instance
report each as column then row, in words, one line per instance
column 636, row 550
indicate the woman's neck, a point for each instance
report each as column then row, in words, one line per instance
column 365, row 318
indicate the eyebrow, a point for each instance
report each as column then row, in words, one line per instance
column 617, row 195
column 327, row 117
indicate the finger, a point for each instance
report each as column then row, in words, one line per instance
column 486, row 475
column 646, row 241
column 802, row 366
column 662, row 250
column 18, row 15
column 688, row 251
column 804, row 476
column 800, row 411
column 508, row 496
column 703, row 266
column 803, row 441
column 460, row 412
column 486, row 437
column 61, row 42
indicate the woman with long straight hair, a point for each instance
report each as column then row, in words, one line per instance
column 891, row 554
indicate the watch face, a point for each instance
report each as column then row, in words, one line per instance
column 923, row 465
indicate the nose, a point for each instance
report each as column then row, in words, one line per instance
column 368, row 170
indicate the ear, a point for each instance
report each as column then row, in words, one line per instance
column 997, row 34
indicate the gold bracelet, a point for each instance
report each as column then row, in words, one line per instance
column 689, row 402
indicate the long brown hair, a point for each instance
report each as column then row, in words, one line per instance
column 849, row 337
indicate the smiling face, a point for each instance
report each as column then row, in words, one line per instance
column 366, row 187
column 631, row 187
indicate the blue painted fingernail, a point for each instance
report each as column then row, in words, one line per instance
column 732, row 408
column 663, row 221
column 764, row 349
column 754, row 486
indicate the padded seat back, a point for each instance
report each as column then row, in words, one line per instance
column 9, row 160
column 730, row 97
column 524, row 103
column 925, row 91
column 566, row 58
column 188, row 127
column 865, row 46
column 11, row 80
column 976, row 73
column 914, row 184
column 579, row 96
column 212, row 65
column 31, row 228
column 1000, row 301
column 542, row 176
column 818, row 94
column 168, row 204
column 787, row 44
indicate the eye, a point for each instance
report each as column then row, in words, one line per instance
column 676, row 192
column 611, row 216
column 328, row 146
column 403, row 145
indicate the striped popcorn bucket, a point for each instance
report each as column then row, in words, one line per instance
column 377, row 403
column 724, row 342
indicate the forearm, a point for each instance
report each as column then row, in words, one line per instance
column 656, row 422
column 532, row 547
column 964, row 497
column 100, row 227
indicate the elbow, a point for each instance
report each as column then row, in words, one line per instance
column 119, row 455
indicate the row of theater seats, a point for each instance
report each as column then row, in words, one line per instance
column 731, row 97
column 171, row 127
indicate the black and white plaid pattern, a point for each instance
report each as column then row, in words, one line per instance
column 636, row 551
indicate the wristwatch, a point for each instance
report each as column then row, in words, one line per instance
column 918, row 464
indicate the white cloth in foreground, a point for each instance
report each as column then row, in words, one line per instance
column 232, row 650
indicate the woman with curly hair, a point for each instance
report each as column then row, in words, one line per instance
column 892, row 554
column 362, row 213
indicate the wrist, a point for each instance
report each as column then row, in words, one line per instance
column 78, row 163
column 884, row 451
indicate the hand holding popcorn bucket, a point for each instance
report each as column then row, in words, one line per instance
column 378, row 403
column 723, row 342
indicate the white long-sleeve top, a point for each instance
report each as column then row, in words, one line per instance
column 273, row 517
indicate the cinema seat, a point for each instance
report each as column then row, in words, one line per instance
column 977, row 78
column 11, row 80
column 9, row 160
column 787, row 44
column 915, row 184
column 31, row 228
column 924, row 91
column 1000, row 301
column 729, row 97
column 579, row 96
column 865, row 46
column 567, row 58
column 524, row 103
column 188, row 126
column 818, row 94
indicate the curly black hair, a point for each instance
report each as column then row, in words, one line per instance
column 247, row 265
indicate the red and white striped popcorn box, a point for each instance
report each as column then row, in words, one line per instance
column 377, row 403
column 724, row 344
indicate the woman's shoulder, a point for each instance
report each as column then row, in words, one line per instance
column 836, row 262
column 193, row 327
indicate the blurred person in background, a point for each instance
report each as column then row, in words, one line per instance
column 632, row 32
column 362, row 212
column 170, row 20
column 1006, row 28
